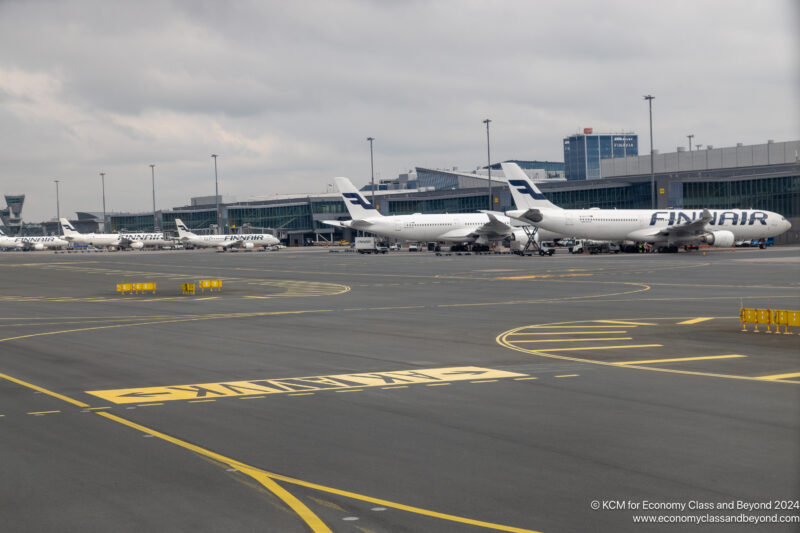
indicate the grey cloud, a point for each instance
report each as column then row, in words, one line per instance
column 288, row 92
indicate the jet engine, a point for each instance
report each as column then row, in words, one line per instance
column 722, row 238
column 248, row 246
column 138, row 245
column 38, row 247
column 519, row 238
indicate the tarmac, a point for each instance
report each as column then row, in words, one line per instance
column 321, row 390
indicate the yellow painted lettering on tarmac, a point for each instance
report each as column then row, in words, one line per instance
column 295, row 385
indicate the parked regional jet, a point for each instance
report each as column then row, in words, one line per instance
column 479, row 228
column 136, row 241
column 8, row 242
column 666, row 229
column 43, row 242
column 247, row 241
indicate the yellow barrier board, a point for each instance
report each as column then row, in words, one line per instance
column 779, row 317
column 187, row 288
column 210, row 284
column 136, row 287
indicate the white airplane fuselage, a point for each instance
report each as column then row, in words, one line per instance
column 249, row 240
column 641, row 224
column 39, row 243
column 120, row 239
column 432, row 227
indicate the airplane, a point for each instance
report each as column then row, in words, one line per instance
column 137, row 241
column 8, row 242
column 247, row 241
column 37, row 243
column 665, row 229
column 480, row 228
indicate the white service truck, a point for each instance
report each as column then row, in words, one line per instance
column 370, row 245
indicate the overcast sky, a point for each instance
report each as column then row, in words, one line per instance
column 287, row 92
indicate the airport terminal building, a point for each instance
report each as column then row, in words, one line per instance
column 764, row 176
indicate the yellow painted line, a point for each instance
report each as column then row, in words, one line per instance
column 251, row 397
column 397, row 387
column 485, row 381
column 148, row 404
column 523, row 379
column 268, row 480
column 502, row 341
column 567, row 376
column 780, row 376
column 581, row 340
column 679, row 359
column 42, row 412
column 571, row 332
column 348, row 390
column 326, row 503
column 43, row 390
column 438, row 384
column 599, row 347
column 300, row 394
column 696, row 320
column 98, row 408
column 201, row 401
column 627, row 323
column 561, row 327
column 298, row 384
column 543, row 276
column 396, row 307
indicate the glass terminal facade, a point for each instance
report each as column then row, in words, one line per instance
column 583, row 152
column 780, row 195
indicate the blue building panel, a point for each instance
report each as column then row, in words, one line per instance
column 583, row 152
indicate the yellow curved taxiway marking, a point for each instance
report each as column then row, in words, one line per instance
column 267, row 479
column 504, row 341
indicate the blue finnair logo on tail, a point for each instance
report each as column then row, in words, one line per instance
column 356, row 199
column 69, row 227
column 525, row 188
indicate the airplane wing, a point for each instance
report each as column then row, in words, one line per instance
column 360, row 224
column 687, row 230
column 337, row 223
column 528, row 216
column 494, row 229
column 231, row 244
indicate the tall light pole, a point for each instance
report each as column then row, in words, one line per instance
column 155, row 218
column 58, row 209
column 216, row 191
column 649, row 99
column 371, row 169
column 690, row 140
column 103, row 183
column 489, row 159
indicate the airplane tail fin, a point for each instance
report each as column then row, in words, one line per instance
column 183, row 231
column 526, row 195
column 358, row 207
column 68, row 228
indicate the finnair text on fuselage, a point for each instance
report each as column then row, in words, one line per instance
column 740, row 218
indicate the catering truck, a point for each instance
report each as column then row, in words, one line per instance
column 369, row 245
